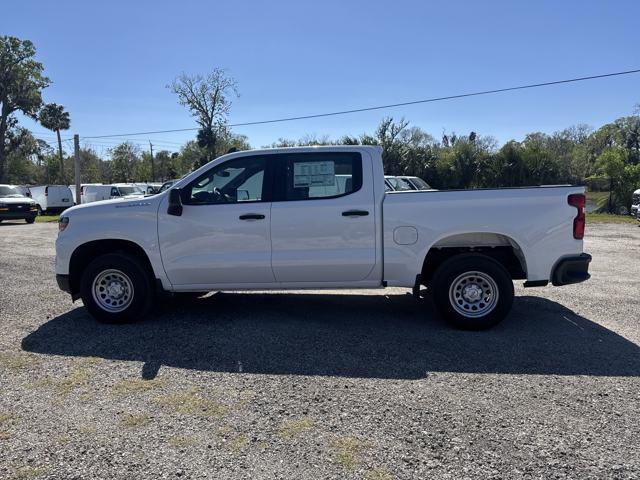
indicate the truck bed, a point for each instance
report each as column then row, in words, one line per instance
column 536, row 221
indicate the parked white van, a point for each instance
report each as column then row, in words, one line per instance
column 97, row 192
column 52, row 198
column 73, row 190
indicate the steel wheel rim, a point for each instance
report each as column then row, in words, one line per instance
column 473, row 294
column 112, row 290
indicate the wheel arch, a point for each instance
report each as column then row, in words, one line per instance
column 86, row 252
column 501, row 247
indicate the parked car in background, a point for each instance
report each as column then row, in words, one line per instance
column 14, row 205
column 52, row 198
column 147, row 188
column 387, row 186
column 635, row 203
column 399, row 184
column 167, row 185
column 129, row 190
column 417, row 182
column 23, row 189
column 316, row 217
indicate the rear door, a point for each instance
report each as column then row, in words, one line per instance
column 222, row 237
column 59, row 196
column 323, row 219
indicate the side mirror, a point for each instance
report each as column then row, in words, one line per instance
column 175, row 202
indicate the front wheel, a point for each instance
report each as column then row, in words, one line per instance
column 30, row 219
column 116, row 288
column 472, row 291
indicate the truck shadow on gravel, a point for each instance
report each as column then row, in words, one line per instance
column 370, row 336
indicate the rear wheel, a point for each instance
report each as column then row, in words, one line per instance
column 116, row 288
column 472, row 292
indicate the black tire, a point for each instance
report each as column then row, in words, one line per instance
column 30, row 219
column 481, row 275
column 39, row 208
column 138, row 282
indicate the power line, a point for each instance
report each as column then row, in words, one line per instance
column 391, row 105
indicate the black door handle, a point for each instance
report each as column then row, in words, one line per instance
column 251, row 216
column 355, row 213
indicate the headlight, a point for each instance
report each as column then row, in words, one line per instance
column 63, row 223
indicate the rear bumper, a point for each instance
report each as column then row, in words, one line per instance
column 574, row 269
column 63, row 283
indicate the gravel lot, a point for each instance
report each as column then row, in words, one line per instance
column 360, row 384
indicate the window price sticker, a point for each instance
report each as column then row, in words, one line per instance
column 313, row 174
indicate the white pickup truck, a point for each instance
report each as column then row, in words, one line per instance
column 319, row 218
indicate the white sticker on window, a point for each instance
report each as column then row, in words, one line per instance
column 313, row 174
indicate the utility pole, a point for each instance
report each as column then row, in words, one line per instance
column 153, row 170
column 76, row 152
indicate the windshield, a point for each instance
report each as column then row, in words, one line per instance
column 400, row 184
column 420, row 183
column 130, row 191
column 11, row 192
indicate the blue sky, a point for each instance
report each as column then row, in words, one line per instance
column 110, row 62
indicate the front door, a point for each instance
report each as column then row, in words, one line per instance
column 223, row 235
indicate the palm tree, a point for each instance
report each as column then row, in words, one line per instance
column 53, row 117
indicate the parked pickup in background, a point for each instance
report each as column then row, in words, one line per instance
column 319, row 218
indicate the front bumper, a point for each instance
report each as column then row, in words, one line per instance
column 574, row 269
column 18, row 215
column 63, row 283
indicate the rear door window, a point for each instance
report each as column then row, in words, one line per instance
column 310, row 176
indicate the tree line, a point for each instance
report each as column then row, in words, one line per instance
column 607, row 158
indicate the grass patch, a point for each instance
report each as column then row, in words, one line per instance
column 130, row 386
column 135, row 420
column 5, row 417
column 77, row 378
column 191, row 403
column 347, row 452
column 89, row 361
column 294, row 428
column 238, row 443
column 609, row 218
column 47, row 218
column 378, row 474
column 179, row 441
column 25, row 473
column 87, row 429
column 5, row 435
column 16, row 362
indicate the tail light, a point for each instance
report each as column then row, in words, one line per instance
column 579, row 201
column 46, row 191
